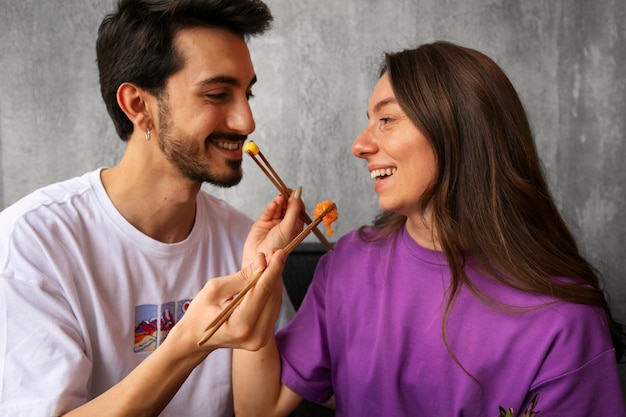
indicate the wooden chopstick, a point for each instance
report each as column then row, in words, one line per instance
column 228, row 310
column 273, row 176
column 269, row 166
column 311, row 227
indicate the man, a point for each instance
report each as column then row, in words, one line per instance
column 96, row 271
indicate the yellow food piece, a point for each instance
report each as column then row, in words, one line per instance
column 329, row 218
column 251, row 148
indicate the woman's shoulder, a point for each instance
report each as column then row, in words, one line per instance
column 363, row 237
column 571, row 319
column 355, row 251
column 576, row 335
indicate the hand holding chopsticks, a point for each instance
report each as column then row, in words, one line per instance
column 228, row 310
column 253, row 150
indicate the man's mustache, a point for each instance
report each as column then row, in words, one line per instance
column 234, row 137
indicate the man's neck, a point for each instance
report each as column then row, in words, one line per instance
column 159, row 203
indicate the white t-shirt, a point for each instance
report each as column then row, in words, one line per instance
column 85, row 297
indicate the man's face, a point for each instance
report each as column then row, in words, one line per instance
column 204, row 114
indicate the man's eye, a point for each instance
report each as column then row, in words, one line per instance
column 218, row 96
column 249, row 95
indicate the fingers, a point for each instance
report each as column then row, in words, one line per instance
column 292, row 220
column 246, row 275
column 264, row 304
column 279, row 223
column 278, row 207
column 271, row 277
column 273, row 210
column 225, row 288
column 252, row 323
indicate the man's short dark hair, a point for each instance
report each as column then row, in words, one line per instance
column 135, row 43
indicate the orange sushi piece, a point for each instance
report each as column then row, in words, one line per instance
column 330, row 218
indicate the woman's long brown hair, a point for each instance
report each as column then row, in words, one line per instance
column 490, row 195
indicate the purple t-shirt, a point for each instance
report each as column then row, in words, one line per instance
column 370, row 332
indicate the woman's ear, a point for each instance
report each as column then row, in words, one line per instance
column 133, row 101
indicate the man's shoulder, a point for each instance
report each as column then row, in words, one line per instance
column 44, row 212
column 45, row 200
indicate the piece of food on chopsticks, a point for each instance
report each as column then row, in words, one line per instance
column 251, row 148
column 330, row 218
column 257, row 156
column 228, row 310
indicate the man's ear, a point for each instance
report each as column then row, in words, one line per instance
column 134, row 102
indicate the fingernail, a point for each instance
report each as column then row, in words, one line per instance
column 297, row 193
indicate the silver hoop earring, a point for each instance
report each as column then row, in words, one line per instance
column 148, row 135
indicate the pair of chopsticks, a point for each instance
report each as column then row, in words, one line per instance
column 253, row 150
column 228, row 310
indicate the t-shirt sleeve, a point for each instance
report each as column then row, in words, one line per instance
column 44, row 370
column 592, row 390
column 578, row 375
column 303, row 344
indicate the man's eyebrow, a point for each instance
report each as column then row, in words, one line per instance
column 225, row 79
column 381, row 104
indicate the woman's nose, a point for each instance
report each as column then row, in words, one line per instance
column 364, row 144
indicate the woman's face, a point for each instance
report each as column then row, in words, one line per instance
column 399, row 158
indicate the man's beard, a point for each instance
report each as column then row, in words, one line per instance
column 189, row 157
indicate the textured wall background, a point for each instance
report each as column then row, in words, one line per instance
column 316, row 69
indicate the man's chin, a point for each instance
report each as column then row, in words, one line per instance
column 225, row 176
column 224, row 182
column 230, row 180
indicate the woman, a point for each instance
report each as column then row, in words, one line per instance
column 468, row 293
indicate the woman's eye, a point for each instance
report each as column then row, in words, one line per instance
column 249, row 95
column 383, row 122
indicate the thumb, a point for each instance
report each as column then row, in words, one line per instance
column 272, row 277
column 227, row 287
column 258, row 265
column 252, row 271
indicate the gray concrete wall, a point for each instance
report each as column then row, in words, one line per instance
column 316, row 69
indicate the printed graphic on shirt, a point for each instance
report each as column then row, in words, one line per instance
column 153, row 323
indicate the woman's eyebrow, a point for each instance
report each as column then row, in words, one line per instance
column 381, row 104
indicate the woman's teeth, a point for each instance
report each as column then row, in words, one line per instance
column 380, row 173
